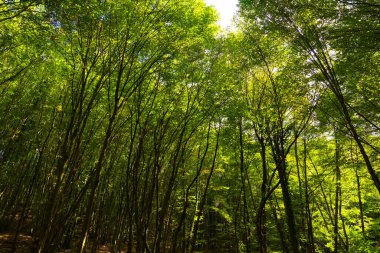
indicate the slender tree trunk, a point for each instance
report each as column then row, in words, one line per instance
column 301, row 201
column 322, row 61
column 337, row 195
column 203, row 199
column 289, row 212
column 356, row 166
column 95, row 182
column 247, row 230
column 360, row 202
column 187, row 192
column 261, row 212
column 280, row 160
column 280, row 228
column 345, row 241
column 309, row 218
column 358, row 141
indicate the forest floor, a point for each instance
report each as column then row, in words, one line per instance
column 26, row 244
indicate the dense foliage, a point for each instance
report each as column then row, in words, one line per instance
column 140, row 126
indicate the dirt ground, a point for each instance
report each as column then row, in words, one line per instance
column 25, row 244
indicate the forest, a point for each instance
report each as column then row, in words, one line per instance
column 142, row 126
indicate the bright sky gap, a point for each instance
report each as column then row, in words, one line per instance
column 226, row 10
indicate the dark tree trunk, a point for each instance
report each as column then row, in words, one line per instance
column 280, row 229
column 247, row 230
column 280, row 160
column 359, row 195
column 203, row 198
column 337, row 195
column 309, row 218
column 261, row 213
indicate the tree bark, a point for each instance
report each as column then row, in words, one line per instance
column 309, row 217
